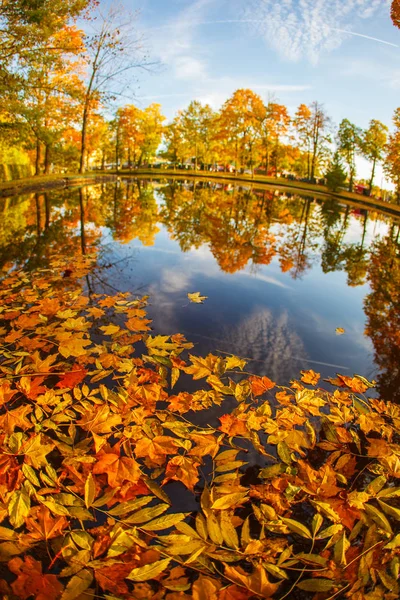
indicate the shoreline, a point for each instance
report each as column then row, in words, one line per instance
column 48, row 182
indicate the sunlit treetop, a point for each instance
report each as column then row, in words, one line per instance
column 395, row 13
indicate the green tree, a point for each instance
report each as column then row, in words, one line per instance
column 349, row 143
column 373, row 145
column 196, row 128
column 335, row 176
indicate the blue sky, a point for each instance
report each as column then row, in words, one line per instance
column 296, row 50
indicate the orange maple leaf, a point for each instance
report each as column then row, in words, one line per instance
column 118, row 468
column 260, row 385
column 111, row 578
column 71, row 379
column 310, row 377
column 354, row 383
column 138, row 324
column 43, row 526
column 182, row 469
column 156, row 449
column 233, row 425
column 6, row 393
column 181, row 403
column 31, row 581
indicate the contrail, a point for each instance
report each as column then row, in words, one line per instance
column 228, row 21
column 367, row 37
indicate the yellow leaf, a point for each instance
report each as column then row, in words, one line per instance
column 147, row 514
column 35, row 451
column 164, row 522
column 234, row 362
column 77, row 584
column 201, row 526
column 228, row 530
column 379, row 518
column 339, row 331
column 73, row 346
column 197, row 298
column 229, row 500
column 297, row 527
column 90, row 490
column 18, row 508
column 340, row 549
column 390, row 510
column 316, row 585
column 110, row 329
column 214, row 530
column 149, row 571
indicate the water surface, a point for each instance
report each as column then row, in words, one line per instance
column 281, row 271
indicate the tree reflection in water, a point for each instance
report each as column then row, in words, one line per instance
column 241, row 227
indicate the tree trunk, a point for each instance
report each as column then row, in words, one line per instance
column 38, row 157
column 83, row 140
column 371, row 181
column 351, row 179
column 47, row 162
column 267, row 160
column 82, row 220
column 47, row 211
column 38, row 215
column 117, row 148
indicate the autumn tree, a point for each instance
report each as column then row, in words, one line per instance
column 151, row 122
column 196, row 129
column 392, row 159
column 395, row 13
column 312, row 127
column 373, row 145
column 26, row 27
column 274, row 123
column 239, row 123
column 113, row 51
column 129, row 117
column 382, row 308
column 176, row 144
column 349, row 142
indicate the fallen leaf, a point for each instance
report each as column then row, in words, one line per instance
column 197, row 298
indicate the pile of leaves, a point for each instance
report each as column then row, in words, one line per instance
column 296, row 486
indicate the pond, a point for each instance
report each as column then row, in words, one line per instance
column 282, row 271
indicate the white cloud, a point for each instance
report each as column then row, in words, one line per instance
column 307, row 28
column 176, row 48
column 173, row 281
column 188, row 67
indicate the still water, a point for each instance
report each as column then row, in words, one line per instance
column 281, row 271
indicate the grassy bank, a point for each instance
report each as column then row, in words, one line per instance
column 45, row 182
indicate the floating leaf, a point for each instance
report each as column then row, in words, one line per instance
column 197, row 298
